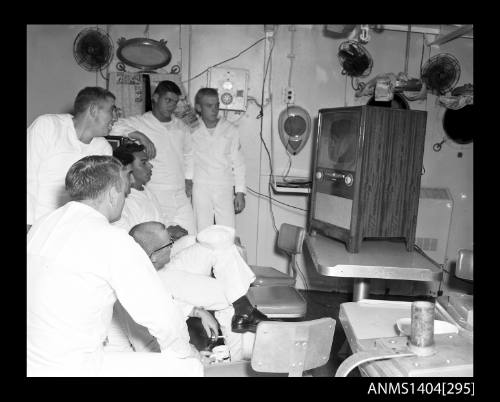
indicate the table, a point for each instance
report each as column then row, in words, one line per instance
column 369, row 326
column 381, row 259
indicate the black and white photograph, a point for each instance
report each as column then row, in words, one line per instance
column 260, row 200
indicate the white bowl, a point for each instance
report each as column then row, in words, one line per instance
column 440, row 327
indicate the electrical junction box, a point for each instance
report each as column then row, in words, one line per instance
column 288, row 95
column 232, row 85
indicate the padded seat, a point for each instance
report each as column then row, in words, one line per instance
column 278, row 301
column 268, row 276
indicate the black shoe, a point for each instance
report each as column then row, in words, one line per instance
column 247, row 322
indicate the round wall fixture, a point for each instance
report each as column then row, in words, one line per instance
column 143, row 53
column 294, row 126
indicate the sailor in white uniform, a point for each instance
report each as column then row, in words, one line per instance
column 187, row 276
column 173, row 161
column 219, row 165
column 56, row 141
column 78, row 266
column 142, row 205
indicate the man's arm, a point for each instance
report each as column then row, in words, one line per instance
column 188, row 162
column 124, row 128
column 208, row 321
column 36, row 148
column 144, row 140
column 239, row 171
column 141, row 293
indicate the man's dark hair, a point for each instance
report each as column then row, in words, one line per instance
column 167, row 86
column 90, row 95
column 89, row 177
column 125, row 152
column 204, row 92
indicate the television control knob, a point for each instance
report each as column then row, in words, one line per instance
column 335, row 176
column 348, row 179
column 319, row 175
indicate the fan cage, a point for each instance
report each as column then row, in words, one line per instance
column 441, row 73
column 93, row 49
column 355, row 60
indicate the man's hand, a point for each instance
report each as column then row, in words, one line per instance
column 239, row 202
column 176, row 232
column 208, row 321
column 144, row 140
column 189, row 188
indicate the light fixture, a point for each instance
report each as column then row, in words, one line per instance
column 294, row 126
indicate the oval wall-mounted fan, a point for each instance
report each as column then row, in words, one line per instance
column 294, row 126
column 93, row 49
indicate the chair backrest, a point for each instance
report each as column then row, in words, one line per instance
column 292, row 347
column 290, row 240
column 465, row 265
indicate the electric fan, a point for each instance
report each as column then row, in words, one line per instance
column 441, row 73
column 93, row 49
column 354, row 59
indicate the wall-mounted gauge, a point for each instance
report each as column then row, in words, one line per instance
column 232, row 85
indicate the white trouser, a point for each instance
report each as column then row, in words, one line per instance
column 213, row 201
column 130, row 364
column 176, row 207
column 195, row 289
column 234, row 278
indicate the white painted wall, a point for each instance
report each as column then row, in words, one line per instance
column 54, row 78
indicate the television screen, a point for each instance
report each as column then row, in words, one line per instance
column 338, row 141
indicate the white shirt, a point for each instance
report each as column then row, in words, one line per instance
column 52, row 147
column 140, row 206
column 174, row 159
column 78, row 265
column 218, row 158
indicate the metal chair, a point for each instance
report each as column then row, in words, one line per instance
column 290, row 239
column 273, row 292
column 286, row 348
